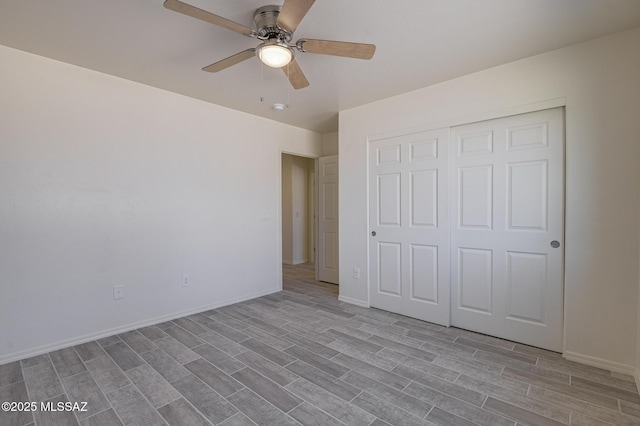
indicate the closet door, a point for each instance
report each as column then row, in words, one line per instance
column 507, row 227
column 409, row 225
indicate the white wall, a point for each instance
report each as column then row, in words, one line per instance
column 599, row 82
column 329, row 144
column 107, row 182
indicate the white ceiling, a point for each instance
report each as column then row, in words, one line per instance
column 419, row 43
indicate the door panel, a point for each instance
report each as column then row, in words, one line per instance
column 527, row 195
column 329, row 259
column 424, row 209
column 475, row 144
column 329, row 196
column 424, row 273
column 476, row 272
column 526, row 285
column 389, row 200
column 390, row 262
column 508, row 183
column 476, row 197
column 408, row 205
column 527, row 136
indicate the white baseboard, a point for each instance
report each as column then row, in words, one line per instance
column 602, row 363
column 15, row 356
column 356, row 302
column 295, row 262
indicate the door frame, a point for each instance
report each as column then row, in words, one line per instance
column 278, row 219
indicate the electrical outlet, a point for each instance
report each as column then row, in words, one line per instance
column 356, row 273
column 185, row 280
column 118, row 292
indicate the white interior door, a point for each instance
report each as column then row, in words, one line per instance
column 312, row 216
column 507, row 230
column 328, row 219
column 409, row 225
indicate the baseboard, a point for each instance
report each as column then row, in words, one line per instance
column 15, row 356
column 602, row 363
column 356, row 302
column 295, row 262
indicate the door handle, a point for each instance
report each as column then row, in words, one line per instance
column 373, row 233
column 555, row 244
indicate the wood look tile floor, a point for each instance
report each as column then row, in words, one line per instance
column 302, row 357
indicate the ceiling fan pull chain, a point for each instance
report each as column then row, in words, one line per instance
column 262, row 81
column 288, row 88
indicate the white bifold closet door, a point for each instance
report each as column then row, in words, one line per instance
column 467, row 226
column 507, row 227
column 409, row 225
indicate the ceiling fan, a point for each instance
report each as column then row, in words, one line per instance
column 274, row 26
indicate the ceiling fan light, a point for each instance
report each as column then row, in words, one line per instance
column 275, row 55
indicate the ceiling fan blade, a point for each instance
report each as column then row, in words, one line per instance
column 186, row 9
column 292, row 12
column 339, row 48
column 295, row 75
column 231, row 60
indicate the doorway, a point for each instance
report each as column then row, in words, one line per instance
column 310, row 216
column 298, row 210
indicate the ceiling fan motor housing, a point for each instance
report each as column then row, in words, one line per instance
column 265, row 21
